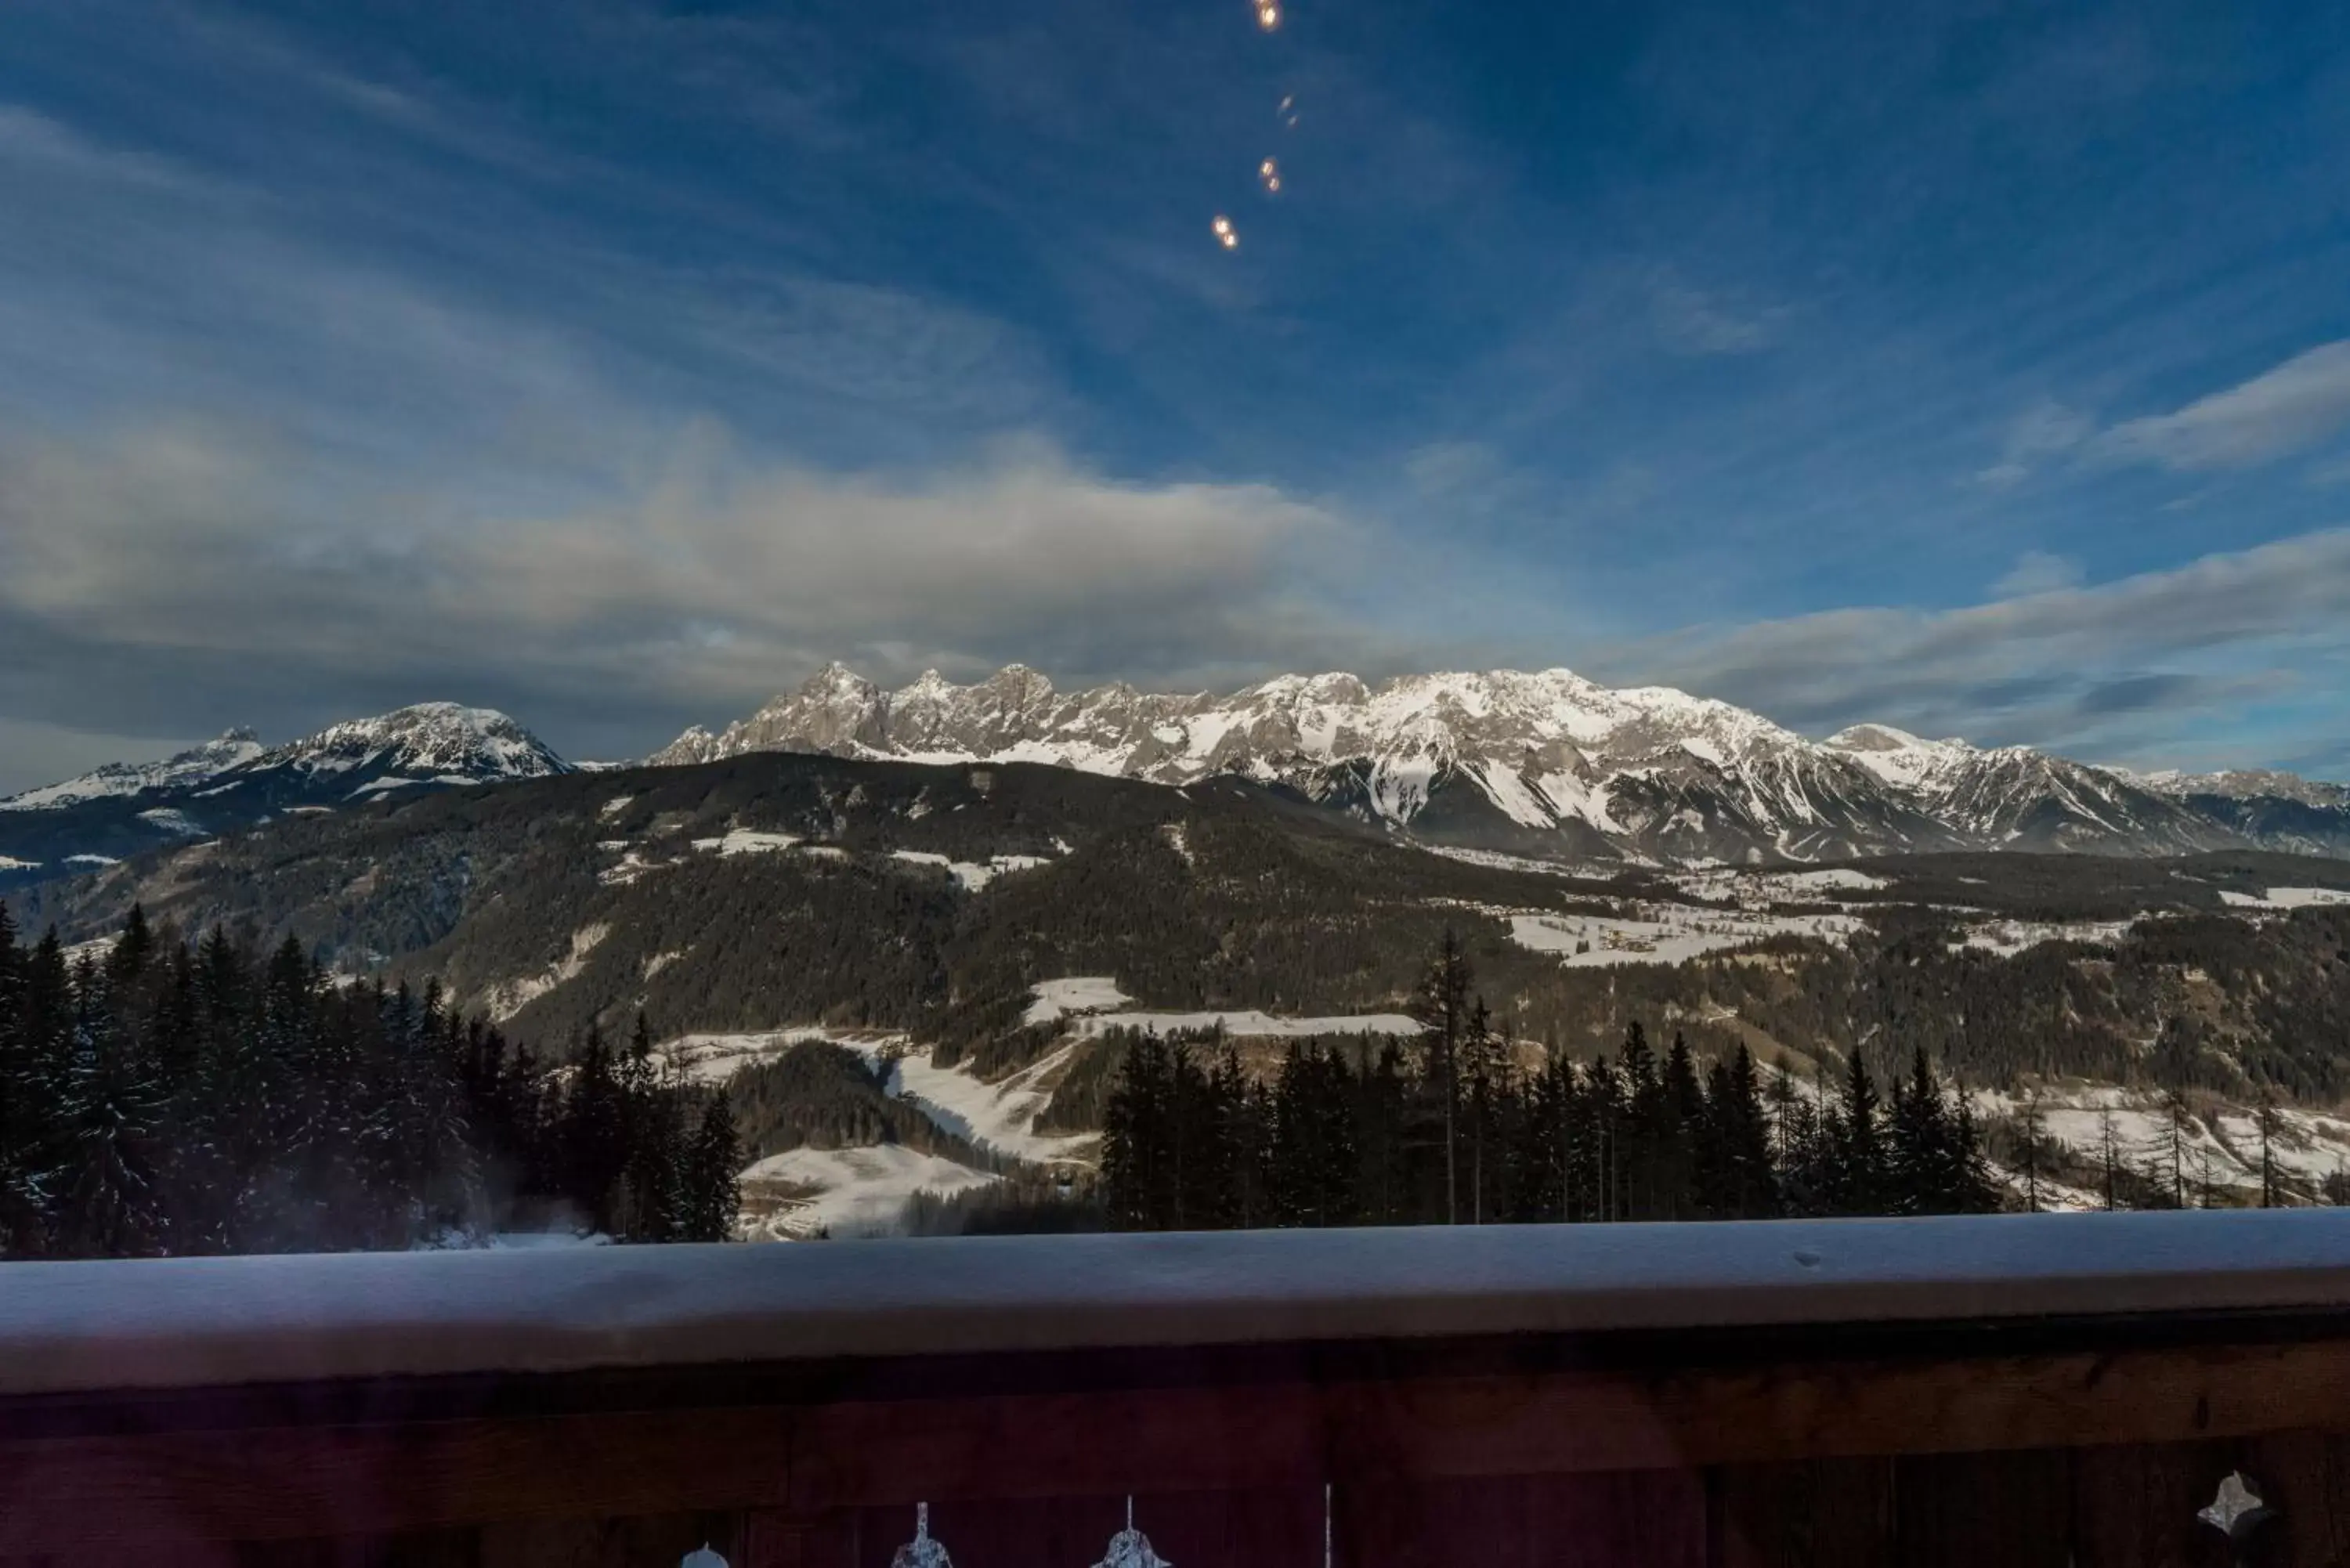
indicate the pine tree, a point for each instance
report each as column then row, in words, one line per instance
column 1857, row 1178
column 106, row 1197
column 714, row 1188
column 1440, row 1006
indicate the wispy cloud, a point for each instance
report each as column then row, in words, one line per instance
column 2045, row 429
column 2054, row 665
column 157, row 561
column 2282, row 411
column 1693, row 321
column 2038, row 572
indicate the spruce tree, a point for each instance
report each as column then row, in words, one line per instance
column 1441, row 1007
column 1857, row 1178
column 713, row 1164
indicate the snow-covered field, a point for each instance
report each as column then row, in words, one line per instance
column 1092, row 1005
column 1000, row 1116
column 2008, row 937
column 1664, row 933
column 1058, row 999
column 972, row 874
column 844, row 1191
column 714, row 1058
column 2221, row 1148
column 1753, row 889
column 1248, row 1024
column 2287, row 898
column 743, row 841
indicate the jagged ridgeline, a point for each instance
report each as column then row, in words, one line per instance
column 1547, row 763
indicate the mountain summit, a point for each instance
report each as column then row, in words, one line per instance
column 235, row 782
column 1543, row 762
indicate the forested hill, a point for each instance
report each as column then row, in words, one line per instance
column 779, row 889
column 787, row 889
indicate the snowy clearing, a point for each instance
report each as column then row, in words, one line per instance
column 614, row 806
column 2220, row 1149
column 91, row 860
column 1000, row 1115
column 1249, row 1023
column 714, row 1058
column 743, row 841
column 1762, row 888
column 631, row 867
column 1058, row 999
column 172, row 821
column 2008, row 937
column 1664, row 933
column 2287, row 898
column 844, row 1191
column 506, row 998
column 8, row 865
column 971, row 874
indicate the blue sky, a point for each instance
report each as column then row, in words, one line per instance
column 1982, row 370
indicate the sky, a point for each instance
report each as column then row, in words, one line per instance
column 1981, row 369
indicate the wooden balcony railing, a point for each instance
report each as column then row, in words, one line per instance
column 2012, row 1390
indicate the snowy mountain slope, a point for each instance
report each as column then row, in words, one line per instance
column 429, row 743
column 183, row 769
column 1544, row 763
column 2012, row 797
column 234, row 783
column 2277, row 810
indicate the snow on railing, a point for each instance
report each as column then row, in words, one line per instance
column 187, row 1323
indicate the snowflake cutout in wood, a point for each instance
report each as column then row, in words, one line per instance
column 922, row 1551
column 2238, row 1511
column 1129, row 1548
column 704, row 1558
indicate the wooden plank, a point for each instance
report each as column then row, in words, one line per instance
column 2134, row 1506
column 814, row 1460
column 1967, row 1510
column 855, row 1454
column 2306, row 1476
column 1810, row 1513
column 295, row 1484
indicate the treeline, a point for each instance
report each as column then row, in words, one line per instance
column 1458, row 1131
column 175, row 1096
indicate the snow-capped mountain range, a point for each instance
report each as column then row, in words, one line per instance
column 193, row 766
column 235, row 782
column 1545, row 762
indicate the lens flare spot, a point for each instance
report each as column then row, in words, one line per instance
column 1226, row 235
column 1268, row 14
column 1269, row 173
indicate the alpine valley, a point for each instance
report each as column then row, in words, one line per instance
column 913, row 931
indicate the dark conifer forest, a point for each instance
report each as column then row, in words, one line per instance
column 173, row 1094
column 1455, row 1129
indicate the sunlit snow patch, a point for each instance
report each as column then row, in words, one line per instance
column 506, row 998
column 844, row 1191
column 971, row 874
column 714, row 1058
column 743, row 841
column 1058, row 999
column 1249, row 1023
column 1000, row 1116
column 1665, row 933
column 2008, row 937
column 2287, row 898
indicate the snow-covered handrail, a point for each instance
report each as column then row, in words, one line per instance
column 190, row 1323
